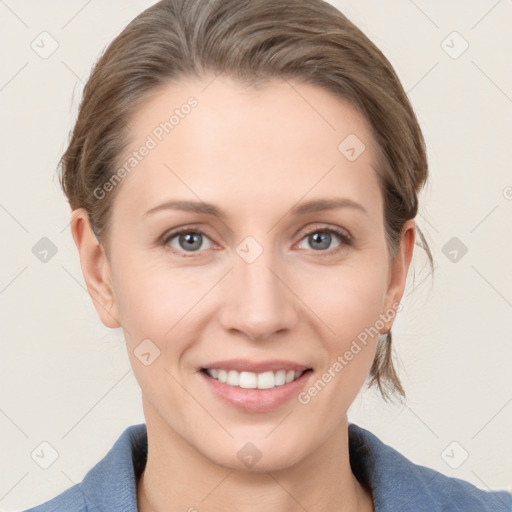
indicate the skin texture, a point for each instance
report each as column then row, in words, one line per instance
column 255, row 153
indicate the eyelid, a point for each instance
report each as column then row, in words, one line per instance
column 313, row 228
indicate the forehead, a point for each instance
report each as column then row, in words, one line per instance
column 245, row 147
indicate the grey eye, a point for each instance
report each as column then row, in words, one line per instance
column 320, row 241
column 189, row 241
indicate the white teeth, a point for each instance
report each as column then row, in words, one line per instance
column 233, row 378
column 280, row 378
column 266, row 380
column 250, row 380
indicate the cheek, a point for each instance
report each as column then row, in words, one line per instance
column 163, row 304
column 351, row 306
column 349, row 303
column 350, row 298
column 153, row 298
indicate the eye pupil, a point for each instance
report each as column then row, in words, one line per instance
column 323, row 239
column 191, row 241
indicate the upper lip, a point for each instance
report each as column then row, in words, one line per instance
column 246, row 365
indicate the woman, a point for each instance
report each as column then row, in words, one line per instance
column 244, row 178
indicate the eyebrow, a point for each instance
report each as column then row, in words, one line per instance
column 314, row 205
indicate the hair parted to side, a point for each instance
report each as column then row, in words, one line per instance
column 252, row 41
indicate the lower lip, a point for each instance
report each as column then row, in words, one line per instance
column 256, row 400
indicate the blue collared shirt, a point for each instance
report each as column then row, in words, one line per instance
column 397, row 484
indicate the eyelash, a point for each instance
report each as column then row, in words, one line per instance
column 345, row 238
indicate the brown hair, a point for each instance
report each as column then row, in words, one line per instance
column 252, row 41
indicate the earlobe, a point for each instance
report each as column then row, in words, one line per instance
column 398, row 272
column 95, row 268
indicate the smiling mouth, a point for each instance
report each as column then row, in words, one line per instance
column 251, row 380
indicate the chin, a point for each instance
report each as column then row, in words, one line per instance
column 256, row 457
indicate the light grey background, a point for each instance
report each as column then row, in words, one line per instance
column 66, row 379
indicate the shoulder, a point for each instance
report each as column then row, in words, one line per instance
column 399, row 484
column 111, row 483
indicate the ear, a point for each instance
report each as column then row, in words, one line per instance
column 95, row 268
column 398, row 271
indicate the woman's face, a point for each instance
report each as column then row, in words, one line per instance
column 271, row 267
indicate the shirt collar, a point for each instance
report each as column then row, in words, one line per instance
column 111, row 485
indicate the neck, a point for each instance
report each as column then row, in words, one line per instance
column 178, row 478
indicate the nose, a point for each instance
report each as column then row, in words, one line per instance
column 258, row 301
